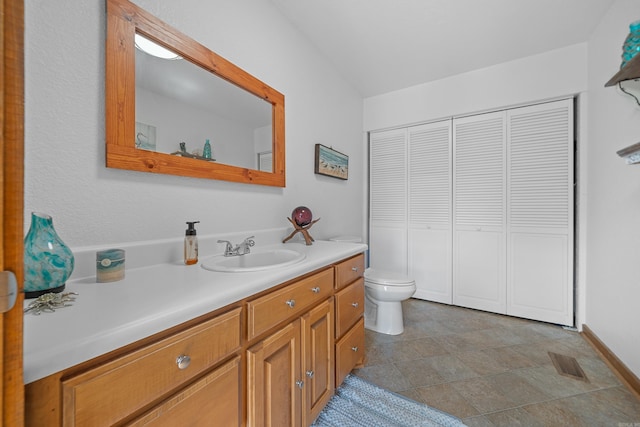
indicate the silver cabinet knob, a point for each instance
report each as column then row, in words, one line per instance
column 291, row 303
column 315, row 290
column 310, row 374
column 355, row 304
column 300, row 383
column 354, row 269
column 183, row 361
column 354, row 348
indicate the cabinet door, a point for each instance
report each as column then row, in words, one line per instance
column 318, row 353
column 273, row 369
column 213, row 399
column 388, row 200
column 429, row 210
column 479, row 212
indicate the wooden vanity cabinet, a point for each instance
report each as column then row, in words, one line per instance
column 154, row 382
column 290, row 373
column 349, row 301
column 274, row 358
column 318, row 353
column 211, row 400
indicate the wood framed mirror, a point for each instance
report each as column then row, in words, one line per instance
column 145, row 141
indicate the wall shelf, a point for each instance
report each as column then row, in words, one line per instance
column 631, row 154
column 630, row 71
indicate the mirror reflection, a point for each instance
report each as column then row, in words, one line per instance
column 180, row 107
column 157, row 107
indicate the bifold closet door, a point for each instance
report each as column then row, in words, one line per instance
column 388, row 200
column 540, row 212
column 429, row 193
column 479, row 206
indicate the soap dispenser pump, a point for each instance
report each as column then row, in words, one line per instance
column 191, row 244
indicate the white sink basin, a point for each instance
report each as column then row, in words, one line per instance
column 254, row 261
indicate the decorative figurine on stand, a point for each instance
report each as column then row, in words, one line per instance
column 302, row 222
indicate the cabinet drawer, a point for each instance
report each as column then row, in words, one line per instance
column 216, row 394
column 349, row 270
column 349, row 306
column 113, row 391
column 349, row 351
column 265, row 312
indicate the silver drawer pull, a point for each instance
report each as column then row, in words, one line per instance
column 291, row 303
column 354, row 269
column 355, row 304
column 315, row 290
column 354, row 348
column 310, row 374
column 300, row 383
column 183, row 361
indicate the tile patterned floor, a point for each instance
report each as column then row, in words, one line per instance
column 493, row 370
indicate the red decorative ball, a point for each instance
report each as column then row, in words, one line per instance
column 302, row 216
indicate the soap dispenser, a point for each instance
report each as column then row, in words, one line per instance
column 191, row 244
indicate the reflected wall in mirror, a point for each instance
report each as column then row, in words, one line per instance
column 160, row 112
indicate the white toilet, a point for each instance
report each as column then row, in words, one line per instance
column 384, row 292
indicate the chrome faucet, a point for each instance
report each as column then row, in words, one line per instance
column 240, row 249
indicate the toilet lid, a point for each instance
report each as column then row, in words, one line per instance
column 387, row 278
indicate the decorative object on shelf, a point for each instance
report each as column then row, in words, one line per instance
column 206, row 151
column 302, row 221
column 631, row 44
column 48, row 262
column 631, row 154
column 628, row 78
column 331, row 162
column 109, row 265
column 49, row 302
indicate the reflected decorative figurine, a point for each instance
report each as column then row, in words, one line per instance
column 302, row 222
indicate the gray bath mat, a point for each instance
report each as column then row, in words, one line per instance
column 359, row 403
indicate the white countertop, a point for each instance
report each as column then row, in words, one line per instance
column 107, row 316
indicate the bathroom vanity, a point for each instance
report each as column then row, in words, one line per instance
column 253, row 348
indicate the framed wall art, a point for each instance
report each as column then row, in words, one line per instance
column 331, row 162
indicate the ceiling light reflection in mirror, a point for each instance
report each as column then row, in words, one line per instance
column 180, row 102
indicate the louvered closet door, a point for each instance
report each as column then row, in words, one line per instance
column 479, row 212
column 540, row 214
column 430, row 210
column 388, row 200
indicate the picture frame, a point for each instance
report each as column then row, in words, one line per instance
column 331, row 163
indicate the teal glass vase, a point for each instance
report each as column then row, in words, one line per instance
column 206, row 152
column 48, row 262
column 631, row 44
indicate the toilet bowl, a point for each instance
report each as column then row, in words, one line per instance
column 384, row 292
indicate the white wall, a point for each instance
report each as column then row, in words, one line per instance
column 232, row 142
column 91, row 205
column 613, row 255
column 549, row 75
